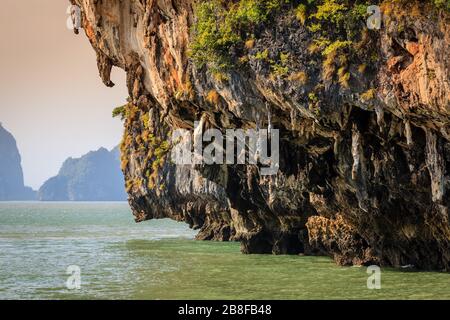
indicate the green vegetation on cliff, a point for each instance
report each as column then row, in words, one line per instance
column 445, row 4
column 229, row 36
column 222, row 27
column 151, row 150
column 225, row 32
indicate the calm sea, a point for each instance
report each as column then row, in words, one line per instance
column 119, row 259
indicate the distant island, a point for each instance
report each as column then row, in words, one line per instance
column 12, row 186
column 95, row 176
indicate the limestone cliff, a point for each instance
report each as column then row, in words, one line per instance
column 12, row 187
column 363, row 114
column 95, row 176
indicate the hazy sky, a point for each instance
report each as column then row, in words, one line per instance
column 51, row 98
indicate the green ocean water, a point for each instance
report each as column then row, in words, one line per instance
column 119, row 259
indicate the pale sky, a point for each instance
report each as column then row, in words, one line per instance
column 51, row 97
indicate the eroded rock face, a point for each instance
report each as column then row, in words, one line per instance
column 364, row 166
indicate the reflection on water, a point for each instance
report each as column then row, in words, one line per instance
column 159, row 260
